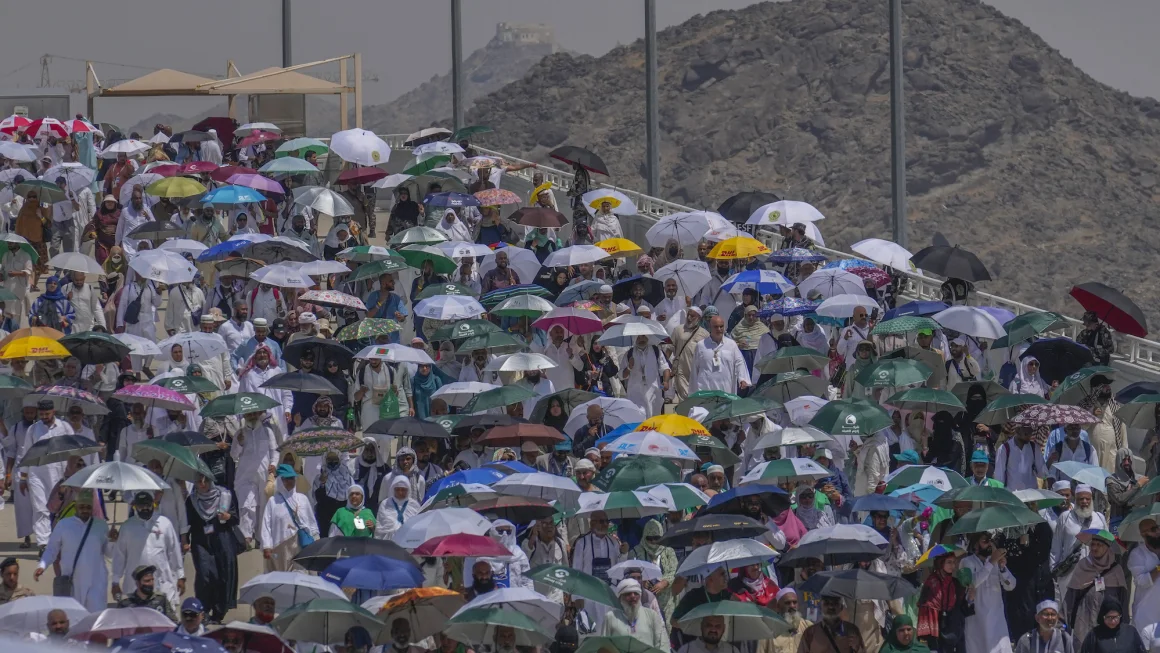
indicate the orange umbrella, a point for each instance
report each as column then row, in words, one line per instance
column 44, row 332
column 426, row 608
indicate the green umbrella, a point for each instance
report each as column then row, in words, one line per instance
column 720, row 453
column 177, row 461
column 1003, row 408
column 417, row 255
column 634, row 472
column 366, row 254
column 447, row 289
column 464, row 329
column 990, row 388
column 300, row 146
column 448, row 422
column 904, row 324
column 789, row 359
column 940, row 477
column 25, row 246
column 495, row 297
column 791, row 385
column 708, row 399
column 928, row 400
column 8, row 296
column 377, row 269
column 46, row 191
column 188, row 384
column 1078, row 386
column 894, row 372
column 851, row 417
column 995, row 518
column 479, row 624
column 570, row 397
column 324, row 621
column 497, row 342
column 528, row 306
column 14, row 386
column 367, row 328
column 1028, row 326
column 616, row 644
column 1140, row 412
column 498, row 398
column 1129, row 530
column 740, row 408
column 743, row 621
column 575, row 582
column 680, row 496
column 287, row 166
column 92, row 347
column 980, row 496
column 418, row 236
column 458, row 496
column 238, row 404
column 427, row 165
column 464, row 133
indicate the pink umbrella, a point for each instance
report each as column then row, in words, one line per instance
column 225, row 172
column 460, row 545
column 114, row 623
column 154, row 396
column 257, row 182
column 258, row 137
column 198, row 167
column 46, row 127
column 576, row 321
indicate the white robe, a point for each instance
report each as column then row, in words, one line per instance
column 543, row 388
column 1146, row 604
column 130, row 220
column 18, row 261
column 86, row 302
column 277, row 524
column 667, row 308
column 718, row 366
column 387, row 520
column 591, row 547
column 379, row 381
column 91, row 576
column 264, row 304
column 146, row 325
column 254, row 457
column 643, row 382
column 155, row 543
column 987, row 629
column 131, row 435
column 562, row 376
column 182, row 304
column 42, row 478
column 23, row 500
column 252, row 382
column 605, row 226
column 235, row 335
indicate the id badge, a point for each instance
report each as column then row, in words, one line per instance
column 1100, row 584
column 359, row 523
column 209, row 529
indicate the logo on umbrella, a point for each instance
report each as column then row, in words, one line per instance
column 774, row 215
column 654, row 447
column 246, row 401
column 375, row 156
column 882, row 374
column 561, row 573
column 851, row 420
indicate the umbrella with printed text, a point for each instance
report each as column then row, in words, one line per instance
column 851, row 417
column 1079, row 386
column 446, row 289
column 576, row 583
column 621, row 504
column 894, row 372
column 786, row 469
column 376, row 269
column 1029, row 326
column 788, row 386
column 360, row 147
column 33, row 347
column 238, row 404
column 979, row 496
column 708, row 399
column 1113, row 307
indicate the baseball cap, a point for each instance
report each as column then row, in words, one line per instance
column 926, row 332
column 980, row 456
column 910, row 456
column 192, row 605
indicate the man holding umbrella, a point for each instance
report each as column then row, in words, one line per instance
column 42, row 478
column 1096, row 336
column 986, row 629
column 80, row 542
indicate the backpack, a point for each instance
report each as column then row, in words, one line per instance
column 656, row 352
column 48, row 315
column 1087, row 450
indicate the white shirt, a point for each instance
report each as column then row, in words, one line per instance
column 235, row 335
column 87, row 303
column 277, row 524
column 1067, row 527
column 131, row 435
column 66, row 537
column 152, row 542
column 718, row 366
column 1146, row 604
column 593, row 546
column 1019, row 468
column 848, row 347
column 667, row 308
column 986, row 630
column 873, row 465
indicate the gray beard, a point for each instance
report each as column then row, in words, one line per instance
column 793, row 618
column 631, row 611
column 1084, row 513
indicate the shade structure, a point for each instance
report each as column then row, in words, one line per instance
column 159, row 82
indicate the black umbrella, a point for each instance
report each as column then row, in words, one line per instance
column 94, row 348
column 272, row 251
column 324, row 350
column 538, row 216
column 832, row 552
column 569, row 397
column 654, row 289
column 156, row 230
column 739, row 207
column 318, row 556
column 412, row 427
column 1111, row 306
column 302, row 382
column 773, row 500
column 1059, row 358
column 951, row 262
column 58, row 449
column 190, row 136
column 485, row 421
column 518, row 510
column 719, row 528
column 586, row 158
column 1133, row 390
column 194, row 441
column 858, row 584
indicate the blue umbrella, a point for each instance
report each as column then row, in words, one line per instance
column 924, row 492
column 849, row 264
column 483, row 476
column 795, row 255
column 616, row 433
column 765, row 282
column 915, row 308
column 789, row 306
column 511, row 467
column 772, row 497
column 453, row 200
column 168, row 642
column 373, row 573
column 880, row 503
column 1133, row 390
column 578, row 292
column 221, row 251
column 232, row 195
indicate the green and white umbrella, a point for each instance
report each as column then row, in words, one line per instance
column 792, row 436
column 994, row 518
column 628, row 473
column 377, row 269
column 679, row 496
column 791, row 385
column 417, row 255
column 497, row 342
column 1041, row 498
column 575, row 582
column 786, row 469
column 324, row 621
column 1129, row 530
column 719, row 452
column 894, row 372
column 478, row 626
column 188, row 384
column 498, row 398
column 529, row 603
column 238, row 404
column 528, row 306
column 365, row 254
column 744, row 622
column 617, row 644
column 1002, row 409
column 928, row 400
column 621, row 504
column 1078, row 386
column 1029, row 325
column 708, row 399
column 979, row 496
column 792, row 359
column 904, row 324
column 447, row 289
column 740, row 408
column 464, row 329
column 851, row 417
column 418, row 236
column 941, row 478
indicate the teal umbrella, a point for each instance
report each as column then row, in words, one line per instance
column 498, row 398
column 894, row 372
column 287, row 166
column 928, row 400
column 497, row 342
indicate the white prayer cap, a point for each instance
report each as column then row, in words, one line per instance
column 605, row 289
column 698, row 413
column 627, row 585
column 307, row 318
column 785, row 591
column 260, row 322
column 714, row 469
column 212, row 131
column 584, row 465
column 1045, row 605
column 1083, row 489
column 1061, row 485
column 696, row 309
column 961, row 340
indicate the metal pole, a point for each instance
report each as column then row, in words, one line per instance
column 457, row 63
column 651, row 116
column 897, row 126
column 286, row 34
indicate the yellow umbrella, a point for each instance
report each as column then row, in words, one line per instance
column 619, row 247
column 738, row 247
column 175, row 187
column 675, row 425
column 33, row 347
column 547, row 185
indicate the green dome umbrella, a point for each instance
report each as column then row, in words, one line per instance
column 1008, row 406
column 575, row 582
column 464, row 329
column 367, row 328
column 995, row 518
column 14, row 386
column 893, row 372
column 528, row 306
column 418, row 236
column 94, row 348
column 635, row 472
column 238, row 404
column 791, row 385
column 24, row 245
column 743, row 621
column 616, row 644
column 378, row 269
column 300, row 146
column 188, row 384
column 496, row 342
column 719, row 452
column 324, row 621
column 46, row 191
column 1078, row 386
column 1140, row 412
column 790, row 359
column 427, row 165
column 470, row 131
column 708, row 399
column 979, row 496
column 928, row 400
column 851, row 417
column 498, row 398
column 1129, row 530
column 447, row 422
column 941, row 478
column 447, row 289
column 366, row 254
column 740, row 408
column 570, row 397
column 479, row 624
column 1028, row 326
column 287, row 166
column 905, row 324
column 417, row 255
column 176, row 461
column 496, row 297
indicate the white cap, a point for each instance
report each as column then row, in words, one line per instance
column 260, row 322
column 583, row 465
column 1044, row 605
column 530, row 447
column 785, row 591
column 961, row 340
column 1061, row 485
column 715, row 468
column 605, row 289
column 627, row 585
column 698, row 413
column 696, row 309
column 307, row 318
column 1083, row 489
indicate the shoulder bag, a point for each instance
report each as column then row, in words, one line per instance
column 305, row 539
column 63, row 585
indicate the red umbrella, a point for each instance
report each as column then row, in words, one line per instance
column 361, row 175
column 46, row 127
column 78, row 126
column 222, row 125
column 258, row 137
column 198, row 167
column 513, row 435
column 223, row 174
column 13, row 124
column 876, row 276
column 1111, row 306
column 461, row 545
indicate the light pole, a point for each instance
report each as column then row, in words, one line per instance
column 286, row 34
column 897, row 127
column 457, row 63
column 651, row 117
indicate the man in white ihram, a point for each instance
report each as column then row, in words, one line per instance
column 717, row 362
column 42, row 478
column 285, row 513
column 1081, row 517
column 1144, row 565
column 81, row 542
column 986, row 630
column 645, row 369
column 559, row 352
column 255, row 449
column 148, row 539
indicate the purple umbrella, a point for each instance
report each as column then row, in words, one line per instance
column 257, row 182
column 155, row 396
column 1002, row 315
column 64, row 397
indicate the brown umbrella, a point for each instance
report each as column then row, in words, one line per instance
column 538, row 216
column 514, row 435
column 518, row 510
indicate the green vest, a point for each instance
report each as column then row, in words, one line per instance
column 344, row 519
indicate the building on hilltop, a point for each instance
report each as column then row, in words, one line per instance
column 525, row 33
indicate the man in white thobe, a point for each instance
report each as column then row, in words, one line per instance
column 987, row 628
column 133, row 216
column 17, row 267
column 22, row 498
column 873, row 464
column 185, row 299
column 86, row 302
column 255, row 450
column 136, row 431
column 211, row 150
column 148, row 539
column 238, row 330
column 718, row 363
column 1081, row 517
column 267, row 303
column 560, row 352
column 713, row 295
column 42, row 478
column 1144, row 565
column 474, row 372
column 252, row 379
column 851, row 336
column 81, row 542
column 1018, row 465
column 646, row 375
column 672, row 304
column 540, row 385
column 596, row 551
column 144, row 322
column 217, row 368
column 285, row 513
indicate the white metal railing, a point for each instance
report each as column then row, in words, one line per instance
column 1138, row 353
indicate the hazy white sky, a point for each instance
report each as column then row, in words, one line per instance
column 405, row 42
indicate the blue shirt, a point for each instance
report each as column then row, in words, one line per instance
column 393, row 304
column 1056, row 437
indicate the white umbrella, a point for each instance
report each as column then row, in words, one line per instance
column 621, row 205
column 803, row 409
column 438, row 147
column 971, row 321
column 322, row 200
column 541, row 485
column 138, row 346
column 163, row 266
column 621, row 504
column 437, row 523
column 459, row 393
column 77, row 176
column 617, row 412
column 529, row 603
column 139, row 180
column 525, row 302
column 19, row 153
column 734, row 553
column 449, row 308
column 686, row 228
column 183, row 246
column 281, row 275
column 852, row 532
column 842, row 306
column 651, row 443
column 521, row 362
column 724, row 233
column 625, row 335
column 458, row 249
column 197, row 345
column 114, row 623
column 360, row 146
column 160, row 138
column 885, row 252
column 691, row 276
column 117, row 476
column 432, row 133
column 395, row 353
column 251, row 127
column 523, row 261
column 76, row 262
column 574, row 255
column 322, row 268
column 391, row 181
column 832, row 281
column 128, row 147
column 648, row 570
column 792, row 436
column 30, row 614
column 785, row 213
column 289, row 588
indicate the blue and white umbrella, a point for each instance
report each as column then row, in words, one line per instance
column 765, row 282
column 451, row 200
column 652, row 443
column 848, row 264
column 449, row 308
column 230, row 195
column 789, row 306
column 282, row 276
column 795, row 255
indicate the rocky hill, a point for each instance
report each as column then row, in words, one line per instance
column 1012, row 151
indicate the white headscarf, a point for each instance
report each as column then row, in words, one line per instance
column 332, row 237
column 355, row 487
column 1026, row 383
column 508, row 540
column 816, row 340
column 457, row 230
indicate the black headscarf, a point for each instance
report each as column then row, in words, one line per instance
column 1118, row 639
column 946, row 448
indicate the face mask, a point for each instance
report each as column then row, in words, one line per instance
column 332, row 465
column 145, row 513
column 477, row 448
column 673, row 251
column 116, row 259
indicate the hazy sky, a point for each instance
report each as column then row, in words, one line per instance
column 406, row 42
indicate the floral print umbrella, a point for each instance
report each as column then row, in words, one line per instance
column 1054, row 414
